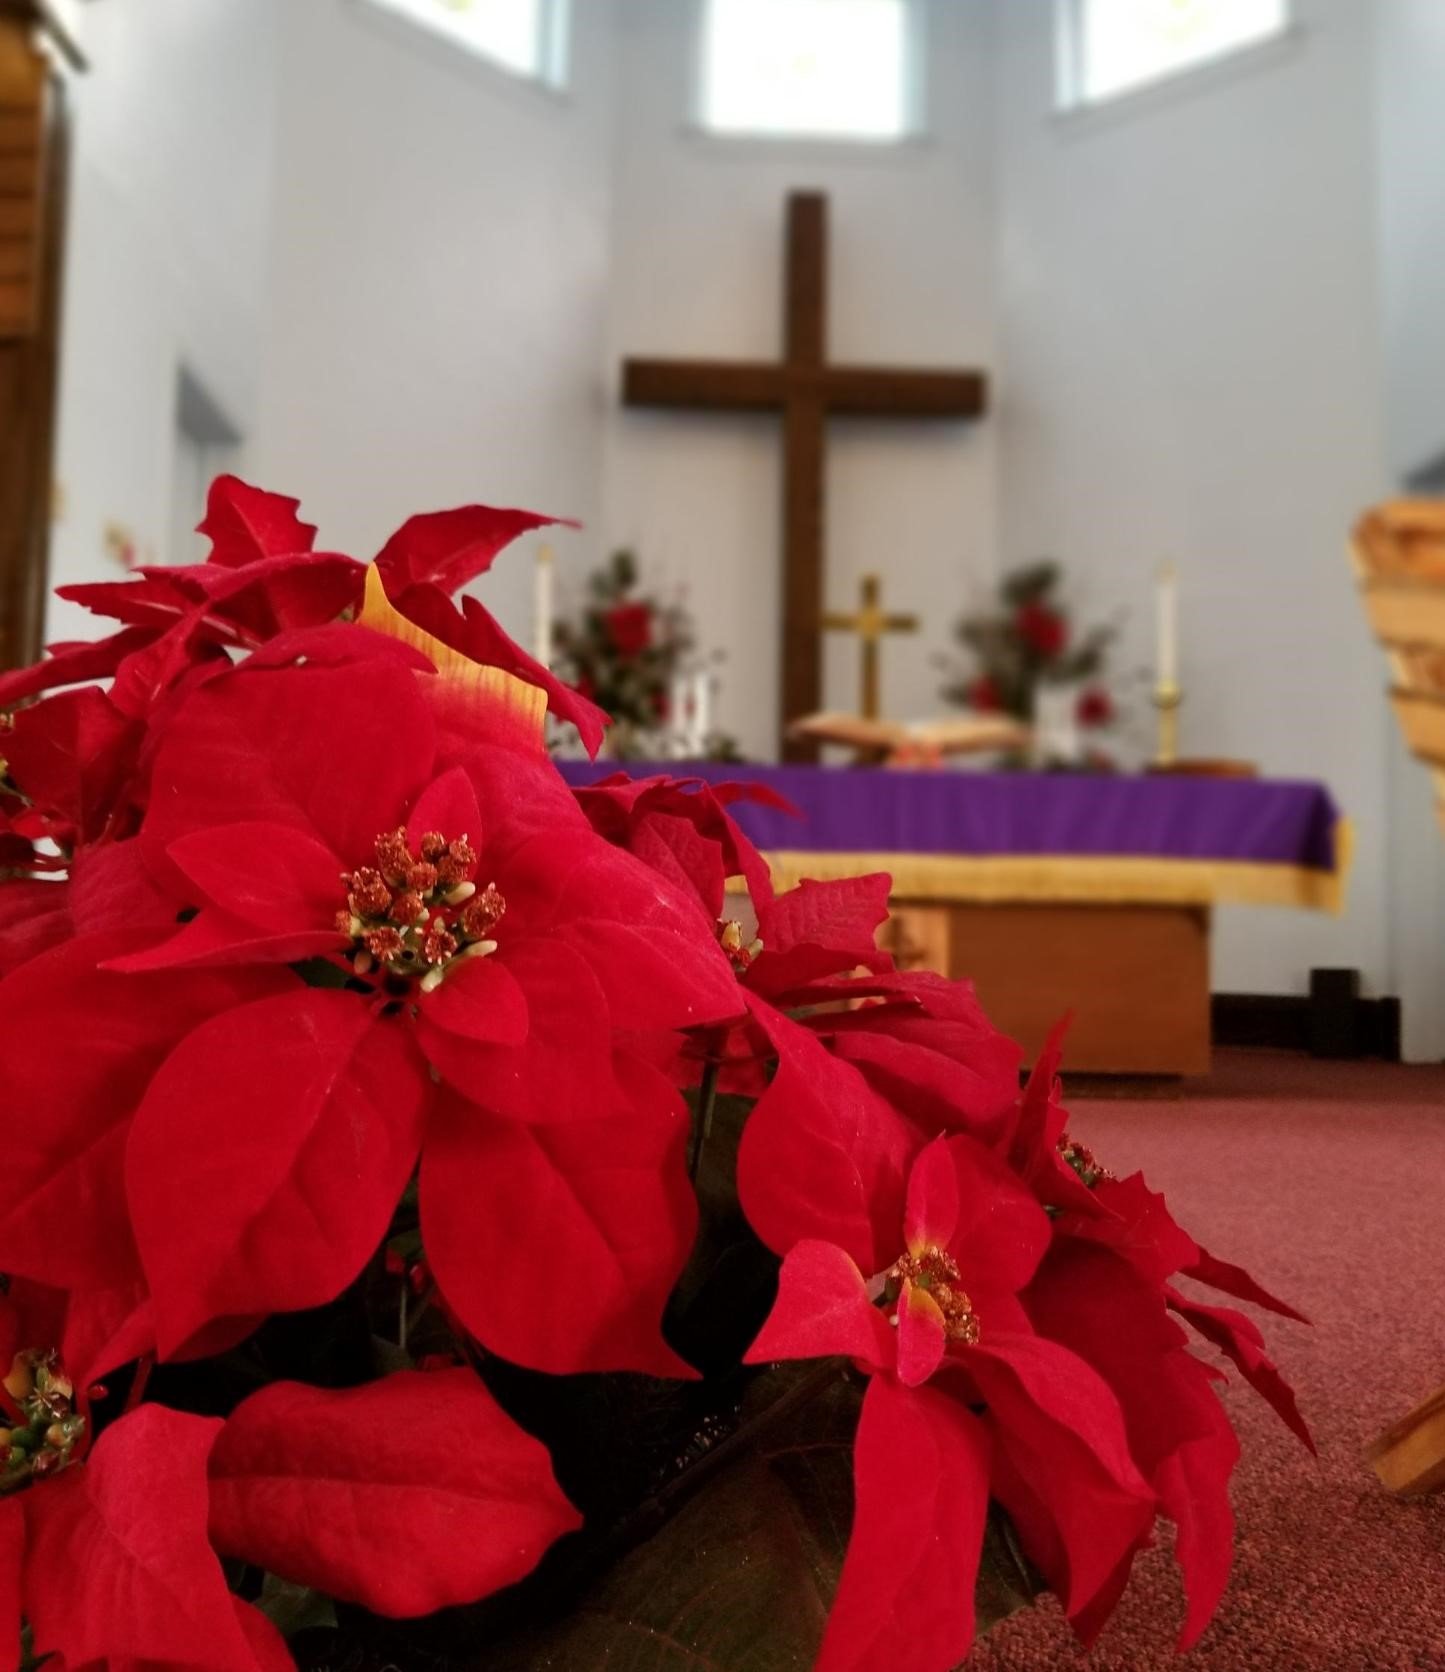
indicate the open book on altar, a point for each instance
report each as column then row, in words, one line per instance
column 909, row 739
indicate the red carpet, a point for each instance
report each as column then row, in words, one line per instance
column 1328, row 1181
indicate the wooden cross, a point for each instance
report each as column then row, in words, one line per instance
column 806, row 390
column 870, row 624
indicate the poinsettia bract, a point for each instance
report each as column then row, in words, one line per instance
column 429, row 1192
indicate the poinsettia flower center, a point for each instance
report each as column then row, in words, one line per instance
column 935, row 1271
column 741, row 953
column 412, row 915
column 48, row 1429
column 1082, row 1159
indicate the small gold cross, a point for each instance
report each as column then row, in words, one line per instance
column 870, row 623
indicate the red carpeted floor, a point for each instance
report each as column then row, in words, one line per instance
column 1328, row 1182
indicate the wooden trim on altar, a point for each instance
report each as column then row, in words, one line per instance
column 1134, row 978
column 1121, row 942
column 1069, row 879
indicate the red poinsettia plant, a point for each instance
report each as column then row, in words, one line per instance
column 432, row 1225
column 624, row 649
column 1027, row 640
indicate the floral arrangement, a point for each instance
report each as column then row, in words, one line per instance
column 432, row 1225
column 1027, row 640
column 625, row 652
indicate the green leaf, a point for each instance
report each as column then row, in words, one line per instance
column 387, row 1357
column 1030, row 584
column 728, row 1287
column 292, row 1608
column 321, row 972
column 741, row 1578
column 29, row 1660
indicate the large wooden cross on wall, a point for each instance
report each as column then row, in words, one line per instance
column 807, row 391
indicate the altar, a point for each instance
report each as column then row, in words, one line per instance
column 1054, row 892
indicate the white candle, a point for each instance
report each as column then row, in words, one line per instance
column 701, row 717
column 679, row 727
column 1167, row 601
column 542, row 607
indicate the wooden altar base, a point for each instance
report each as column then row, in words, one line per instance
column 1135, row 976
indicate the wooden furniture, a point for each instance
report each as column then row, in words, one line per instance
column 1203, row 767
column 1052, row 892
column 1409, row 1457
column 1399, row 556
column 1120, row 939
column 806, row 390
column 1135, row 977
column 33, row 148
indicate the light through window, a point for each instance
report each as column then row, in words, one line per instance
column 1121, row 44
column 808, row 67
column 521, row 35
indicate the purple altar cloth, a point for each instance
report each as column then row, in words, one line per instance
column 867, row 810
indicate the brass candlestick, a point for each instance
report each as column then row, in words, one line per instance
column 1167, row 698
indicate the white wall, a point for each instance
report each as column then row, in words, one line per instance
column 168, row 228
column 439, row 280
column 1178, row 302
column 1188, row 329
column 410, row 280
column 1412, row 225
column 697, row 270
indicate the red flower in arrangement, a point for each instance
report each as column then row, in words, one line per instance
column 428, row 558
column 683, row 830
column 110, row 1552
column 497, row 949
column 820, row 1121
column 983, row 694
column 1095, row 707
column 74, row 755
column 311, row 1483
column 822, row 1156
column 925, row 1043
column 1043, row 630
column 920, row 1040
column 1095, row 1304
column 262, row 581
column 817, row 931
column 1034, row 1139
column 960, row 1383
column 1126, row 1216
column 807, row 938
column 629, row 626
column 811, row 943
column 362, row 1089
column 108, row 1559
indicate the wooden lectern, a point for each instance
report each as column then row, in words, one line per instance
column 1399, row 553
column 33, row 156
